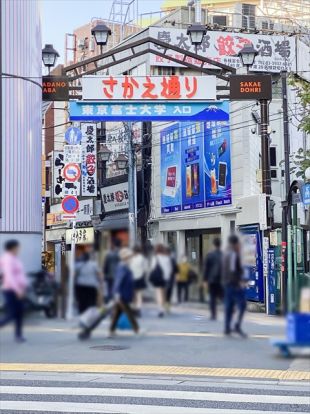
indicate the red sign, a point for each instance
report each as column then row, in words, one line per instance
column 72, row 172
column 70, row 204
column 151, row 88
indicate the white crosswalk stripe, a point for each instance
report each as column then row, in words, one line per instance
column 52, row 396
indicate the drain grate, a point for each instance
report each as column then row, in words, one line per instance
column 109, row 348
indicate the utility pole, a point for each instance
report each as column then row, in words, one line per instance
column 131, row 188
column 286, row 213
column 69, row 313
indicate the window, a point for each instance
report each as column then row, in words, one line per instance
column 273, row 163
column 166, row 71
column 248, row 16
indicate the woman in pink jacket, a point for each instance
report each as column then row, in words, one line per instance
column 14, row 284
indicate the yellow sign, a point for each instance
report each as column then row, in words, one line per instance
column 53, row 219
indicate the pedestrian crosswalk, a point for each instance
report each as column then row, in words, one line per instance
column 150, row 395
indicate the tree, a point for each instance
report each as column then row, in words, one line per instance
column 300, row 160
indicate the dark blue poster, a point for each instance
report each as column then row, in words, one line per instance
column 192, row 165
column 170, row 182
column 217, row 159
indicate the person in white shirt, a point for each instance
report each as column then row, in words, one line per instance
column 138, row 267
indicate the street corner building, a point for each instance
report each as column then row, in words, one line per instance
column 20, row 128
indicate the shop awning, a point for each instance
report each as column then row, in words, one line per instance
column 114, row 222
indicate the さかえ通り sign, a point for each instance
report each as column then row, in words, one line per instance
column 151, row 88
column 55, row 88
column 250, row 87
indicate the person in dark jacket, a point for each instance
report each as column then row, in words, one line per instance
column 109, row 268
column 123, row 291
column 234, row 285
column 213, row 275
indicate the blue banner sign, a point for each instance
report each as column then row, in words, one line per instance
column 146, row 111
column 195, row 162
column 306, row 194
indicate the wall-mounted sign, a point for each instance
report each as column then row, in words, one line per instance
column 89, row 160
column 115, row 197
column 250, row 87
column 275, row 53
column 84, row 212
column 58, row 165
column 55, row 88
column 84, row 235
column 151, row 88
column 72, row 153
column 53, row 219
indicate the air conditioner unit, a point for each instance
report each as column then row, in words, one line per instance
column 219, row 19
column 81, row 43
column 264, row 24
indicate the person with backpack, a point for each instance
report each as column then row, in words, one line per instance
column 14, row 284
column 123, row 291
column 109, row 268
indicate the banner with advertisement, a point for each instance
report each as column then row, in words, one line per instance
column 195, row 163
column 89, row 160
column 217, row 160
column 171, row 194
column 275, row 52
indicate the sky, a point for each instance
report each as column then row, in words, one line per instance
column 62, row 16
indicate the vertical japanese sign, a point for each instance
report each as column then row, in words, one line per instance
column 191, row 134
column 217, row 159
column 89, row 162
column 58, row 165
column 195, row 162
column 171, row 195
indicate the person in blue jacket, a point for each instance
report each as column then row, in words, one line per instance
column 123, row 291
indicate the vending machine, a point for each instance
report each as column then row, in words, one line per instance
column 252, row 258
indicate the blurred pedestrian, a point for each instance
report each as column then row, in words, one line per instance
column 123, row 291
column 160, row 273
column 138, row 266
column 109, row 267
column 234, row 285
column 213, row 275
column 14, row 284
column 171, row 279
column 88, row 281
column 182, row 279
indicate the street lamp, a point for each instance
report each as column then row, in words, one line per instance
column 104, row 153
column 49, row 56
column 247, row 55
column 121, row 162
column 196, row 32
column 101, row 33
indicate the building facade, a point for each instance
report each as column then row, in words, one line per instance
column 20, row 170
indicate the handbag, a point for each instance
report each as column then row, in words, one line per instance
column 156, row 276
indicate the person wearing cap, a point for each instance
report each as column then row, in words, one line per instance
column 123, row 291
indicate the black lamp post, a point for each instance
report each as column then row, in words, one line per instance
column 101, row 33
column 121, row 162
column 49, row 57
column 196, row 32
column 247, row 55
column 104, row 155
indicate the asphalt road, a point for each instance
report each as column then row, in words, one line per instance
column 181, row 364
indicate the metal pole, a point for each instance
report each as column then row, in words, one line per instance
column 69, row 314
column 294, row 276
column 131, row 188
column 286, row 216
column 265, row 148
column 289, row 269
